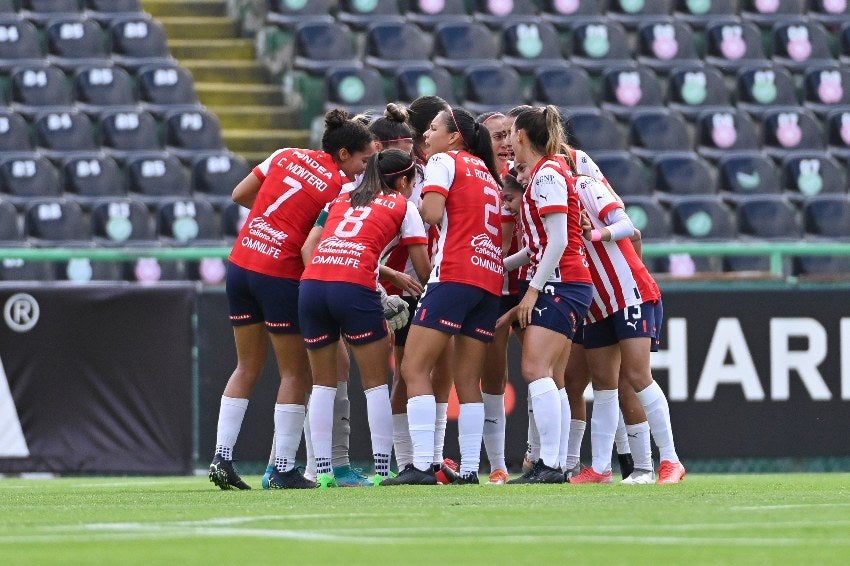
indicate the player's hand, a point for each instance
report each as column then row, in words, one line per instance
column 406, row 283
column 586, row 226
column 507, row 318
column 525, row 307
column 396, row 312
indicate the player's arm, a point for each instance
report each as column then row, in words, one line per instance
column 313, row 237
column 508, row 226
column 246, row 191
column 439, row 175
column 418, row 254
column 401, row 280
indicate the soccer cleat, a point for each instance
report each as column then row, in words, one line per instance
column 446, row 472
column 498, row 477
column 267, row 476
column 223, row 474
column 589, row 475
column 346, row 476
column 471, row 479
column 378, row 479
column 324, row 481
column 627, row 464
column 670, row 472
column 572, row 472
column 411, row 475
column 540, row 473
column 639, row 477
column 293, row 479
column 526, row 465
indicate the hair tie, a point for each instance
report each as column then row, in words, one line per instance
column 396, row 140
column 491, row 116
column 452, row 114
column 400, row 171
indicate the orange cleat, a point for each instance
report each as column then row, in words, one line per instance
column 589, row 475
column 670, row 472
column 498, row 477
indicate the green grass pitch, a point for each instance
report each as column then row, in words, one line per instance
column 708, row 519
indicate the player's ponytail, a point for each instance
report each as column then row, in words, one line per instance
column 342, row 130
column 544, row 129
column 475, row 137
column 382, row 172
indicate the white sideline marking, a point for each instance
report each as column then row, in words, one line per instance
column 786, row 506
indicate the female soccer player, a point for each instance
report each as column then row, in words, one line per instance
column 339, row 296
column 285, row 194
column 461, row 196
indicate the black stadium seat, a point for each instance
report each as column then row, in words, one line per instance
column 139, row 41
column 491, row 88
column 10, row 231
column 826, row 88
column 152, row 176
column 93, row 176
column 665, row 44
column 631, row 14
column 745, row 174
column 108, row 10
column 725, row 131
column 694, row 88
column 526, row 45
column 458, row 45
column 683, row 174
column 123, row 132
column 827, row 216
column 428, row 14
column 58, row 134
column 813, row 173
column 658, row 131
column 799, row 44
column 56, row 222
column 627, row 89
column 732, row 44
column 355, row 88
column 14, row 133
column 288, row 14
column 626, row 173
column 322, row 45
column 769, row 217
column 566, row 14
column 699, row 14
column 766, row 14
column 27, row 177
column 829, row 12
column 423, row 79
column 593, row 130
column 188, row 132
column 99, row 89
column 392, row 44
column 39, row 88
column 75, row 41
column 702, row 218
column 163, row 87
column 116, row 221
column 21, row 44
column 649, row 217
column 765, row 87
column 494, row 14
column 838, row 132
column 215, row 176
column 596, row 44
column 789, row 130
column 44, row 10
column 562, row 85
column 360, row 15
column 187, row 221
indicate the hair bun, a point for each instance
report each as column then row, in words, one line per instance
column 396, row 112
column 336, row 118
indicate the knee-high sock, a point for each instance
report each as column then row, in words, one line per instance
column 470, row 426
column 401, row 441
column 440, row 431
column 658, row 414
column 639, row 442
column 380, row 417
column 566, row 415
column 603, row 425
column 532, row 454
column 577, row 428
column 230, row 416
column 310, row 468
column 621, row 441
column 320, row 414
column 421, row 414
column 342, row 426
column 494, row 430
column 547, row 416
column 288, row 426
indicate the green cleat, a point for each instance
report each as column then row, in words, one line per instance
column 326, row 480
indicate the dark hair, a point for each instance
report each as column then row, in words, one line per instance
column 382, row 171
column 392, row 126
column 342, row 130
column 474, row 136
column 482, row 118
column 517, row 110
column 545, row 130
column 421, row 111
column 510, row 182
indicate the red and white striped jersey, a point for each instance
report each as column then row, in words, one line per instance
column 469, row 246
column 511, row 283
column 353, row 239
column 620, row 279
column 296, row 185
column 585, row 165
column 552, row 190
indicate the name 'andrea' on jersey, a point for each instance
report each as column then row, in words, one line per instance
column 297, row 184
column 469, row 247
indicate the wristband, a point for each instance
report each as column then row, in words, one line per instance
column 595, row 235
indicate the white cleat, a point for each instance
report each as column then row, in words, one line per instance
column 640, row 477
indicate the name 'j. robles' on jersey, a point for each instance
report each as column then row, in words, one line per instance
column 469, row 247
column 620, row 278
column 552, row 190
column 296, row 186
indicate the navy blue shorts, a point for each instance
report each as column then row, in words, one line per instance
column 255, row 298
column 637, row 321
column 560, row 306
column 509, row 302
column 659, row 318
column 327, row 309
column 457, row 308
column 401, row 333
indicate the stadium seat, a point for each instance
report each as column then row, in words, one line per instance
column 20, row 44
column 288, row 14
column 596, row 44
column 769, row 217
column 59, row 134
column 152, row 176
column 360, row 15
column 655, row 132
column 10, row 230
column 625, row 173
column 93, row 176
column 26, row 177
column 699, row 14
column 732, row 44
column 108, row 10
column 491, row 88
column 528, row 44
column 564, row 15
column 320, row 46
column 166, row 87
column 188, row 132
column 799, row 44
column 495, row 14
column 14, row 133
column 766, row 14
column 649, row 217
column 117, row 221
column 391, row 44
column 187, row 221
column 355, row 88
column 139, row 41
column 838, row 132
column 761, row 88
column 631, row 14
column 827, row 216
column 844, row 43
column 14, row 269
column 75, row 41
column 423, row 79
column 789, row 130
column 821, row 266
column 627, row 89
column 428, row 13
column 826, row 88
column 748, row 173
column 665, row 44
column 593, row 130
column 702, row 218
column 829, row 12
column 215, row 176
column 683, row 174
column 123, row 132
column 725, row 131
column 808, row 174
column 44, row 10
column 56, row 222
column 695, row 88
column 8, row 8
column 39, row 88
column 459, row 45
column 232, row 218
column 562, row 85
column 84, row 270
column 100, row 89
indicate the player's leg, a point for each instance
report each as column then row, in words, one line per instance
column 493, row 381
column 637, row 429
column 576, row 379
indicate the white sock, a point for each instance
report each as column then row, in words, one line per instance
column 574, row 445
column 603, row 425
column 440, row 431
column 639, row 442
column 288, row 425
column 532, row 454
column 621, row 441
column 380, row 415
column 470, row 427
column 321, row 416
column 342, row 426
column 310, row 468
column 565, row 428
column 230, row 416
column 547, row 416
column 272, row 451
column 401, row 441
column 658, row 415
column 421, row 414
column 494, row 431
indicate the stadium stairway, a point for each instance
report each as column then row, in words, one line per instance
column 229, row 80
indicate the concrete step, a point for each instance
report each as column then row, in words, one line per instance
column 221, row 94
column 237, row 116
column 165, row 8
column 242, row 141
column 199, row 27
column 239, row 72
column 221, row 49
